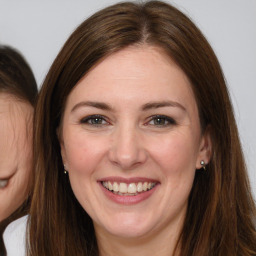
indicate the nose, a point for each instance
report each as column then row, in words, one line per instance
column 126, row 149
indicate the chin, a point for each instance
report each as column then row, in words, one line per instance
column 128, row 227
column 129, row 232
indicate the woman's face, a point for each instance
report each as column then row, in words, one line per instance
column 15, row 153
column 131, row 142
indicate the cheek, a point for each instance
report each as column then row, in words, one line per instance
column 83, row 158
column 83, row 153
column 14, row 194
column 177, row 153
column 26, row 159
column 176, row 157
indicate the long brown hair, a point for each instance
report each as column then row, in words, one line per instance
column 220, row 213
column 16, row 76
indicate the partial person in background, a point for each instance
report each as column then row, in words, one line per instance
column 18, row 92
column 136, row 146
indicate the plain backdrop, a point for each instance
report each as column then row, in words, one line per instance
column 38, row 29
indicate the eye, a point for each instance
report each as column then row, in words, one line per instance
column 161, row 121
column 94, row 120
column 3, row 183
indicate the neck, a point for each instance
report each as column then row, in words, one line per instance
column 162, row 242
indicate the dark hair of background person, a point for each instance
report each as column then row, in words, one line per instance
column 16, row 76
column 16, row 79
column 219, row 219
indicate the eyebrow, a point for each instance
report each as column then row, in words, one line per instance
column 161, row 104
column 99, row 105
column 145, row 107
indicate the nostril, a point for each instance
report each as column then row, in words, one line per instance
column 127, row 161
column 126, row 150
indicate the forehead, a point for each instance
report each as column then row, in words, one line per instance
column 10, row 102
column 15, row 115
column 142, row 73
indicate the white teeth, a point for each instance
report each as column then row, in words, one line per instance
column 139, row 187
column 126, row 189
column 115, row 187
column 3, row 183
column 110, row 187
column 123, row 188
column 132, row 188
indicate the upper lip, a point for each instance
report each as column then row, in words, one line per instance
column 128, row 180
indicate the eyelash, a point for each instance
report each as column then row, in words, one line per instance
column 96, row 120
column 167, row 120
column 88, row 120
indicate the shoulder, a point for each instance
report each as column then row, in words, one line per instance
column 15, row 237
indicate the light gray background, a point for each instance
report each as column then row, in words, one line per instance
column 39, row 28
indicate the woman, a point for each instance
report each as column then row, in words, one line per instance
column 136, row 146
column 18, row 91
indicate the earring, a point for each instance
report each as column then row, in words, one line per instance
column 203, row 164
column 65, row 169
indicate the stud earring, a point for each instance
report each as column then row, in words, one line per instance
column 65, row 169
column 203, row 164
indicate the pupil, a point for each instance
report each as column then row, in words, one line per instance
column 96, row 121
column 159, row 121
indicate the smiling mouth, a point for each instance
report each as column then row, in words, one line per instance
column 131, row 189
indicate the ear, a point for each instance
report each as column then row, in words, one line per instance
column 205, row 149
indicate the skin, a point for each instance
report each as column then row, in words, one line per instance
column 128, row 142
column 15, row 152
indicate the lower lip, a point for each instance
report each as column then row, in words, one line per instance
column 128, row 200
